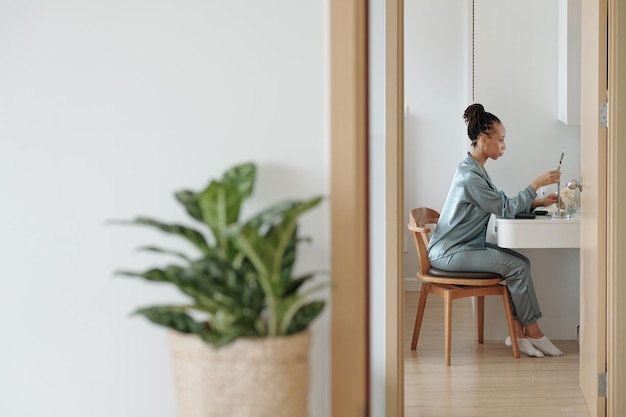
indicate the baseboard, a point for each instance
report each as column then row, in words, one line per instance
column 412, row 284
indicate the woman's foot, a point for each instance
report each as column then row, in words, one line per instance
column 546, row 346
column 525, row 346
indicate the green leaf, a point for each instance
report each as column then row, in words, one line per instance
column 241, row 177
column 173, row 317
column 219, row 339
column 208, row 206
column 189, row 200
column 179, row 277
column 164, row 251
column 242, row 283
column 220, row 203
column 193, row 236
column 288, row 260
column 293, row 285
column 173, row 274
column 268, row 250
column 303, row 318
column 291, row 305
column 271, row 215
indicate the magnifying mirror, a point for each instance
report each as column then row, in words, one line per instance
column 573, row 184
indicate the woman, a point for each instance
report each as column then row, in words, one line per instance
column 458, row 242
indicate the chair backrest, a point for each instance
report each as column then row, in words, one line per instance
column 420, row 220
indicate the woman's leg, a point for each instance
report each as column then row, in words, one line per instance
column 536, row 337
column 523, row 343
column 513, row 266
column 519, row 329
column 533, row 330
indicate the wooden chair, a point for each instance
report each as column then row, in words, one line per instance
column 453, row 285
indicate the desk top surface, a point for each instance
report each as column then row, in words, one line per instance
column 542, row 219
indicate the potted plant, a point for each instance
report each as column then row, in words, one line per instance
column 240, row 345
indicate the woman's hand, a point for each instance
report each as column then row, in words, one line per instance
column 545, row 201
column 550, row 177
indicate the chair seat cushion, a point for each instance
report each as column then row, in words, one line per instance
column 454, row 274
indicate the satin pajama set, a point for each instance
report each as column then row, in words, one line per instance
column 458, row 242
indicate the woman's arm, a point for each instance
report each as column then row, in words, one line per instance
column 545, row 201
column 550, row 177
column 482, row 193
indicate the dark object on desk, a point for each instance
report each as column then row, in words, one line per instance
column 525, row 216
column 541, row 212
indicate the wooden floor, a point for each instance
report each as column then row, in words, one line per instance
column 483, row 380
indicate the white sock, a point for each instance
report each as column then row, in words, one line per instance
column 546, row 346
column 525, row 346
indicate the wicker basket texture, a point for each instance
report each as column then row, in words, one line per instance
column 264, row 377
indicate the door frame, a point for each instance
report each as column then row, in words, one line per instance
column 350, row 380
column 394, row 207
column 615, row 176
column 349, row 208
column 616, row 191
column 601, row 294
column 594, row 251
column 349, row 189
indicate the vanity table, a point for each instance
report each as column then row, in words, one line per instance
column 552, row 245
column 540, row 232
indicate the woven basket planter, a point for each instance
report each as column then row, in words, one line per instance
column 264, row 377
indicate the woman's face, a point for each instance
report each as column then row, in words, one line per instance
column 493, row 142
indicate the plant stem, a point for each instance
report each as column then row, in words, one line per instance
column 293, row 309
column 266, row 284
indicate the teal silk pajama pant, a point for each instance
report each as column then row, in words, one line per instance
column 513, row 266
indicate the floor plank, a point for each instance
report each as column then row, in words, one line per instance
column 483, row 380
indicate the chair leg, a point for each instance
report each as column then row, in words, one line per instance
column 420, row 313
column 509, row 319
column 480, row 317
column 447, row 317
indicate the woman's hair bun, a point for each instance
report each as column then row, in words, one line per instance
column 473, row 112
column 478, row 121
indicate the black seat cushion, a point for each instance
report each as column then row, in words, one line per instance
column 455, row 274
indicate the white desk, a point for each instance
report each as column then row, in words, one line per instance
column 540, row 232
column 552, row 245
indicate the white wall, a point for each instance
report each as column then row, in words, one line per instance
column 516, row 79
column 437, row 84
column 377, row 214
column 519, row 78
column 106, row 109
